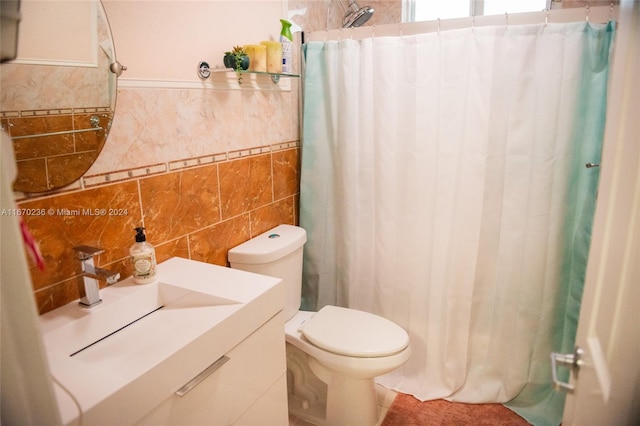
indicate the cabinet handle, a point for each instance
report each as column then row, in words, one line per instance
column 203, row 375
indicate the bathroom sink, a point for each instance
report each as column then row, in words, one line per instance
column 133, row 310
column 145, row 341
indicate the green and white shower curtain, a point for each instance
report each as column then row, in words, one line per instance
column 444, row 187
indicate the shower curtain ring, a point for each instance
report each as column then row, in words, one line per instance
column 546, row 17
column 438, row 26
column 587, row 10
column 611, row 11
column 506, row 19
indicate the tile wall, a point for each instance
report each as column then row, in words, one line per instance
column 47, row 161
column 197, row 212
column 202, row 168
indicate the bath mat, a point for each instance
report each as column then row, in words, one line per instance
column 408, row 411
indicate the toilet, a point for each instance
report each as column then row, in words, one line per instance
column 333, row 355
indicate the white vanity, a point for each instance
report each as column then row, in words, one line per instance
column 204, row 345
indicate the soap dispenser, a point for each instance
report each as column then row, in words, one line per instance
column 143, row 259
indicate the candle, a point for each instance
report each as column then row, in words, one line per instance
column 257, row 57
column 274, row 56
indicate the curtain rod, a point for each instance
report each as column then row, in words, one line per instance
column 594, row 14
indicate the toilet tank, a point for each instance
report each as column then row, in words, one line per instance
column 276, row 253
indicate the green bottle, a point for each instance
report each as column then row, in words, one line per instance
column 287, row 49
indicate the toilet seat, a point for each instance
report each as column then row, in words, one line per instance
column 354, row 333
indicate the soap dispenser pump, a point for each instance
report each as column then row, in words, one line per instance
column 143, row 259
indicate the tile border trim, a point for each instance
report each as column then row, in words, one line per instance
column 54, row 111
column 186, row 163
column 93, row 181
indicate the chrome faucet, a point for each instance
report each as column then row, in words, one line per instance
column 90, row 289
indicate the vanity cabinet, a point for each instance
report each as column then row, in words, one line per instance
column 248, row 388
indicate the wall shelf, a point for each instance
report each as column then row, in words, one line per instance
column 204, row 71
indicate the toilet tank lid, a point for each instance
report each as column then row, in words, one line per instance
column 269, row 246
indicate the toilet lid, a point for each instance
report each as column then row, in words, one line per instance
column 354, row 333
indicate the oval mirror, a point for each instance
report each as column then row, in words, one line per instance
column 58, row 96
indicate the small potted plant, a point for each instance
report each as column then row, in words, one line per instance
column 237, row 59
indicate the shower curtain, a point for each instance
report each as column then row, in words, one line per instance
column 444, row 187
